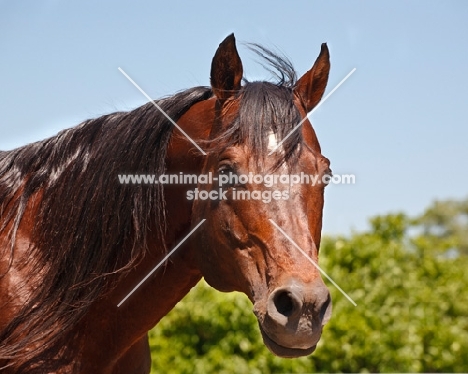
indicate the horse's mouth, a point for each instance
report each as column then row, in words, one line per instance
column 282, row 351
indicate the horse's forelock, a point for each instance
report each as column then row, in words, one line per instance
column 263, row 108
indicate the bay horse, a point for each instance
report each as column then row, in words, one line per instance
column 74, row 240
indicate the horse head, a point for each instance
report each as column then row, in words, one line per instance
column 262, row 232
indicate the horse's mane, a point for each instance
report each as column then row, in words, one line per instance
column 90, row 227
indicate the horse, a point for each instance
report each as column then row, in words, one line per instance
column 74, row 239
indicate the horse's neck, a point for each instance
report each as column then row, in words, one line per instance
column 155, row 298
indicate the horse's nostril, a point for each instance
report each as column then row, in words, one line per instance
column 284, row 303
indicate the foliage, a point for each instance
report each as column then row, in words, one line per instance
column 412, row 312
column 445, row 223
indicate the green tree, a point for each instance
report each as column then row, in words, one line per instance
column 412, row 312
column 445, row 225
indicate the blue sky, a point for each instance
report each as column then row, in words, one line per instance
column 399, row 123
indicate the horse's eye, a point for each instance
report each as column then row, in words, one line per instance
column 225, row 170
column 227, row 176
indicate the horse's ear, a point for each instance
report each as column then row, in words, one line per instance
column 226, row 69
column 311, row 86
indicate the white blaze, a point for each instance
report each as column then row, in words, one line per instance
column 272, row 141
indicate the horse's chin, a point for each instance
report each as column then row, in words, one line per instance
column 282, row 351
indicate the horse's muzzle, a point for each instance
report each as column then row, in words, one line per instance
column 292, row 318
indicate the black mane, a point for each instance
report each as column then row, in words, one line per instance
column 89, row 225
